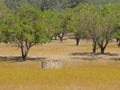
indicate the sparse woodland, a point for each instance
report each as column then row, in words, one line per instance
column 30, row 22
column 77, row 40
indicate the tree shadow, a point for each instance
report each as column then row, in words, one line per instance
column 81, row 53
column 84, row 58
column 97, row 56
column 19, row 59
column 90, row 53
column 91, row 58
column 115, row 58
column 108, row 54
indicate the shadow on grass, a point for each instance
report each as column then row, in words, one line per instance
column 19, row 59
column 91, row 58
column 81, row 53
column 89, row 54
column 115, row 58
column 97, row 56
column 108, row 54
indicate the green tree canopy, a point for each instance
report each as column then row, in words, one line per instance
column 26, row 27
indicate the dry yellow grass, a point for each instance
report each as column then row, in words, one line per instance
column 29, row 76
column 78, row 72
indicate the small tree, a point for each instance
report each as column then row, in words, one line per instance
column 14, row 4
column 26, row 27
column 52, row 22
column 117, row 36
column 90, row 19
column 3, row 12
column 64, row 18
column 76, row 23
column 117, row 33
column 3, row 9
column 107, row 24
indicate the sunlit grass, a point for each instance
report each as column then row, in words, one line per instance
column 76, row 74
column 28, row 75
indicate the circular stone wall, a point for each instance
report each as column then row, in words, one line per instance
column 46, row 64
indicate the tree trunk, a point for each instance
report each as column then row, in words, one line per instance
column 61, row 35
column 103, row 44
column 24, row 56
column 102, row 50
column 119, row 44
column 118, row 41
column 24, row 50
column 24, row 53
column 55, row 37
column 94, row 46
column 61, row 39
column 77, row 41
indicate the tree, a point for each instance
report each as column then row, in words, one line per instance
column 100, row 23
column 52, row 21
column 64, row 18
column 14, row 4
column 3, row 9
column 3, row 12
column 107, row 23
column 41, row 4
column 90, row 19
column 101, row 2
column 84, row 23
column 76, row 23
column 118, row 38
column 25, row 27
column 57, row 5
column 117, row 33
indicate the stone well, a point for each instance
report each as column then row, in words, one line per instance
column 51, row 64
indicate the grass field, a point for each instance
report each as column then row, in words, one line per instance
column 78, row 72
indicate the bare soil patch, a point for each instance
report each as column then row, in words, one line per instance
column 66, row 51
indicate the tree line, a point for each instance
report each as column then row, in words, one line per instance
column 28, row 25
column 57, row 5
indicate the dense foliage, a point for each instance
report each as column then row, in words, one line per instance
column 26, row 27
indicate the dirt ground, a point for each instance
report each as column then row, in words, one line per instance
column 66, row 51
